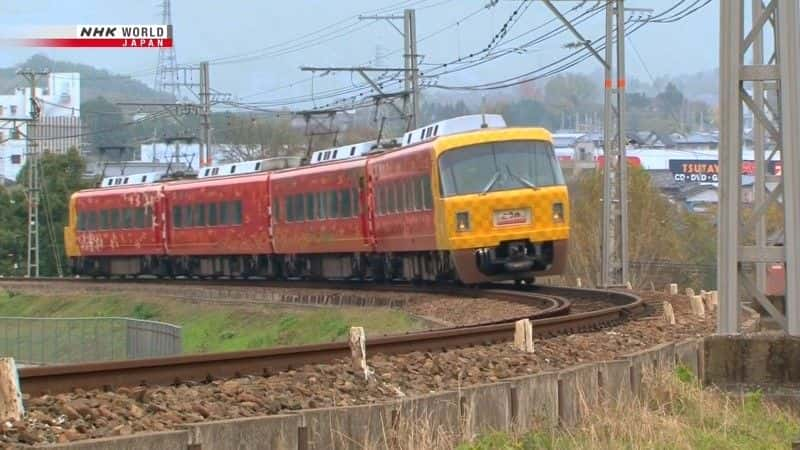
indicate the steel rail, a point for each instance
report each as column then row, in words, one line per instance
column 549, row 321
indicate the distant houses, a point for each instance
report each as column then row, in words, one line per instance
column 684, row 166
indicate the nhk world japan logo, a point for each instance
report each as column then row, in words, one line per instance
column 89, row 36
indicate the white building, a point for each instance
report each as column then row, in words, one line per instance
column 59, row 125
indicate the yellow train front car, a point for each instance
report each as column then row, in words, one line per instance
column 503, row 206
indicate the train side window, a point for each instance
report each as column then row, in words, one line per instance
column 212, row 214
column 92, row 221
column 401, row 198
column 289, row 210
column 148, row 217
column 81, row 221
column 382, row 200
column 299, row 209
column 104, row 221
column 333, row 204
column 276, row 211
column 115, row 218
column 427, row 194
column 309, row 206
column 356, row 202
column 321, row 209
column 237, row 212
column 176, row 217
column 411, row 201
column 347, row 209
column 200, row 215
column 391, row 205
column 127, row 218
column 223, row 213
column 187, row 215
column 139, row 218
column 418, row 193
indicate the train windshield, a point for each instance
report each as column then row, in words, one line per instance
column 498, row 166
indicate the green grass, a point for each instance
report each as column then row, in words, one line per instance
column 675, row 414
column 211, row 328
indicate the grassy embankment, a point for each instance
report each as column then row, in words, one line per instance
column 674, row 414
column 211, row 328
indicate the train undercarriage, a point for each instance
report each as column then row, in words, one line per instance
column 514, row 260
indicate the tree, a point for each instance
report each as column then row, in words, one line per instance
column 659, row 232
column 104, row 124
column 670, row 101
column 251, row 138
column 571, row 92
column 529, row 113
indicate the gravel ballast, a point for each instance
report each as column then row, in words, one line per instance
column 93, row 414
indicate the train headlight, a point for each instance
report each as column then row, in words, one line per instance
column 558, row 212
column 462, row 221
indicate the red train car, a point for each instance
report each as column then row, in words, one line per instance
column 219, row 225
column 319, row 209
column 402, row 211
column 118, row 229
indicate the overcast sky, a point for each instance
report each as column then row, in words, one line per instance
column 209, row 30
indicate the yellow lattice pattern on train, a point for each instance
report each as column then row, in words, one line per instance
column 481, row 209
column 483, row 231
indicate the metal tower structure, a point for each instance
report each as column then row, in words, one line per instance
column 770, row 89
column 167, row 67
column 32, row 156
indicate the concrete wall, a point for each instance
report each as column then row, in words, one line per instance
column 520, row 404
column 769, row 359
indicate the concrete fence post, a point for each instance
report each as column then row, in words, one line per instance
column 698, row 309
column 523, row 336
column 11, row 407
column 578, row 282
column 689, row 292
column 358, row 351
column 669, row 313
column 713, row 300
column 673, row 288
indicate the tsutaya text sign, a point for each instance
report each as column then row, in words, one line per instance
column 707, row 170
column 88, row 36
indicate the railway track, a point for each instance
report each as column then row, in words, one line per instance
column 554, row 316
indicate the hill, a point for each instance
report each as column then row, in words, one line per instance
column 94, row 82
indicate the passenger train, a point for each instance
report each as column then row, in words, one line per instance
column 465, row 199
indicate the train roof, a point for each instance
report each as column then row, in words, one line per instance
column 352, row 163
column 135, row 179
column 455, row 125
column 244, row 167
column 342, row 152
column 121, row 190
column 216, row 181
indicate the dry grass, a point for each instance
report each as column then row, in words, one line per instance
column 675, row 413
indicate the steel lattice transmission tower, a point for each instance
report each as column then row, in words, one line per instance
column 766, row 83
column 167, row 62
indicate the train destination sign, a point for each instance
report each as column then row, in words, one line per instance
column 707, row 170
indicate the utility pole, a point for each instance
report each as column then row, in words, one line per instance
column 614, row 236
column 412, row 73
column 205, row 112
column 32, row 155
column 411, row 103
column 770, row 88
column 195, row 79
